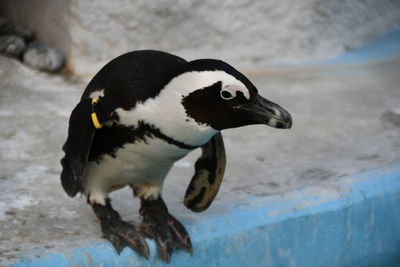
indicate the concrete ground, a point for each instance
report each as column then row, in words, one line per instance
column 346, row 121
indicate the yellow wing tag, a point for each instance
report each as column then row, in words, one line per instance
column 95, row 120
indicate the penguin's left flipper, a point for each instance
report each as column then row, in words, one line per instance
column 82, row 127
column 209, row 172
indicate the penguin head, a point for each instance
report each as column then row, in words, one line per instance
column 222, row 97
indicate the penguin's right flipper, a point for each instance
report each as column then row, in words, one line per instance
column 77, row 147
column 209, row 172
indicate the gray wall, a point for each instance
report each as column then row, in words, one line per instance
column 249, row 34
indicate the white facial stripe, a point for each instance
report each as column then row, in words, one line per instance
column 191, row 81
column 233, row 89
column 167, row 112
column 97, row 94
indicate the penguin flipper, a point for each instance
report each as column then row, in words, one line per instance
column 209, row 172
column 80, row 135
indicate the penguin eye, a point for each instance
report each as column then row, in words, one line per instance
column 227, row 94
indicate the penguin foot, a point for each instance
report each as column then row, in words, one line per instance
column 120, row 234
column 168, row 233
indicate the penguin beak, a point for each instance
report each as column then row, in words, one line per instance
column 262, row 111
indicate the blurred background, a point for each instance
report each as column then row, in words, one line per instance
column 249, row 34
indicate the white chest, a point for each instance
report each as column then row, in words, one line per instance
column 140, row 163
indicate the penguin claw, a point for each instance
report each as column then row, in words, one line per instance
column 180, row 235
column 170, row 237
column 168, row 233
column 122, row 235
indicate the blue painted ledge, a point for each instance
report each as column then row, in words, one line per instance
column 388, row 46
column 355, row 222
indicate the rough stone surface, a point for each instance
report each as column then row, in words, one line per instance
column 43, row 57
column 247, row 33
column 12, row 45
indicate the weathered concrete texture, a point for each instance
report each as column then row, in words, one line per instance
column 345, row 121
column 247, row 33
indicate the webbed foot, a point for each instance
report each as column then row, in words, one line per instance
column 168, row 233
column 121, row 234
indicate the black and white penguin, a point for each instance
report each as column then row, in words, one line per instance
column 140, row 113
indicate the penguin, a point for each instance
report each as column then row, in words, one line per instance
column 143, row 111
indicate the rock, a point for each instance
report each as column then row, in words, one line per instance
column 7, row 28
column 43, row 57
column 12, row 45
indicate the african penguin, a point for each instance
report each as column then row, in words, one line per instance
column 140, row 113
